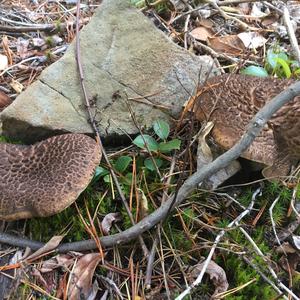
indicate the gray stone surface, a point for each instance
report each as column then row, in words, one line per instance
column 122, row 53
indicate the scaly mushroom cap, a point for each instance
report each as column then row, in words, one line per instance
column 231, row 100
column 45, row 178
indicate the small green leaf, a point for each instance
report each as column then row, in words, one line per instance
column 285, row 67
column 99, row 172
column 272, row 56
column 150, row 141
column 169, row 146
column 107, row 178
column 150, row 165
column 127, row 179
column 162, row 129
column 255, row 71
column 122, row 163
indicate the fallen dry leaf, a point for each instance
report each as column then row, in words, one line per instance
column 296, row 240
column 252, row 40
column 4, row 100
column 244, row 8
column 6, row 49
column 207, row 23
column 36, row 273
column 59, row 261
column 216, row 274
column 17, row 86
column 229, row 44
column 3, row 62
column 202, row 33
column 204, row 154
column 49, row 246
column 22, row 48
column 38, row 42
column 143, row 204
column 108, row 221
column 271, row 19
column 259, row 10
column 81, row 279
column 290, row 262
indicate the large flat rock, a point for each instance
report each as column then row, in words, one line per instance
column 126, row 61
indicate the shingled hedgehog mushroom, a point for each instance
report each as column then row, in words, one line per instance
column 230, row 101
column 43, row 179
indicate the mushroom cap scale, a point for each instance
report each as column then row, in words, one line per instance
column 45, row 178
column 230, row 101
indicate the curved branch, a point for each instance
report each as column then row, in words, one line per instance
column 255, row 126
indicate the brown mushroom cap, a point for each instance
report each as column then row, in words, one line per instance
column 45, row 178
column 231, row 100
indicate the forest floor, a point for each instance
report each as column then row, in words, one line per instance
column 249, row 227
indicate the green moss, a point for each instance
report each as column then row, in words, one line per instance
column 68, row 221
column 239, row 273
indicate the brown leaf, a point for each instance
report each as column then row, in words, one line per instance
column 4, row 100
column 269, row 20
column 36, row 273
column 59, row 261
column 202, row 33
column 108, row 221
column 49, row 246
column 285, row 247
column 229, row 44
column 6, row 50
column 216, row 274
column 81, row 278
column 290, row 262
column 207, row 23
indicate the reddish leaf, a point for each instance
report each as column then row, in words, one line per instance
column 4, row 100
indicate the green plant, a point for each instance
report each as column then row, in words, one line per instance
column 277, row 63
column 156, row 160
column 147, row 142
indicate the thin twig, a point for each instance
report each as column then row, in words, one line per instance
column 42, row 27
column 96, row 131
column 291, row 33
column 158, row 230
column 273, row 223
column 186, row 27
column 150, row 263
